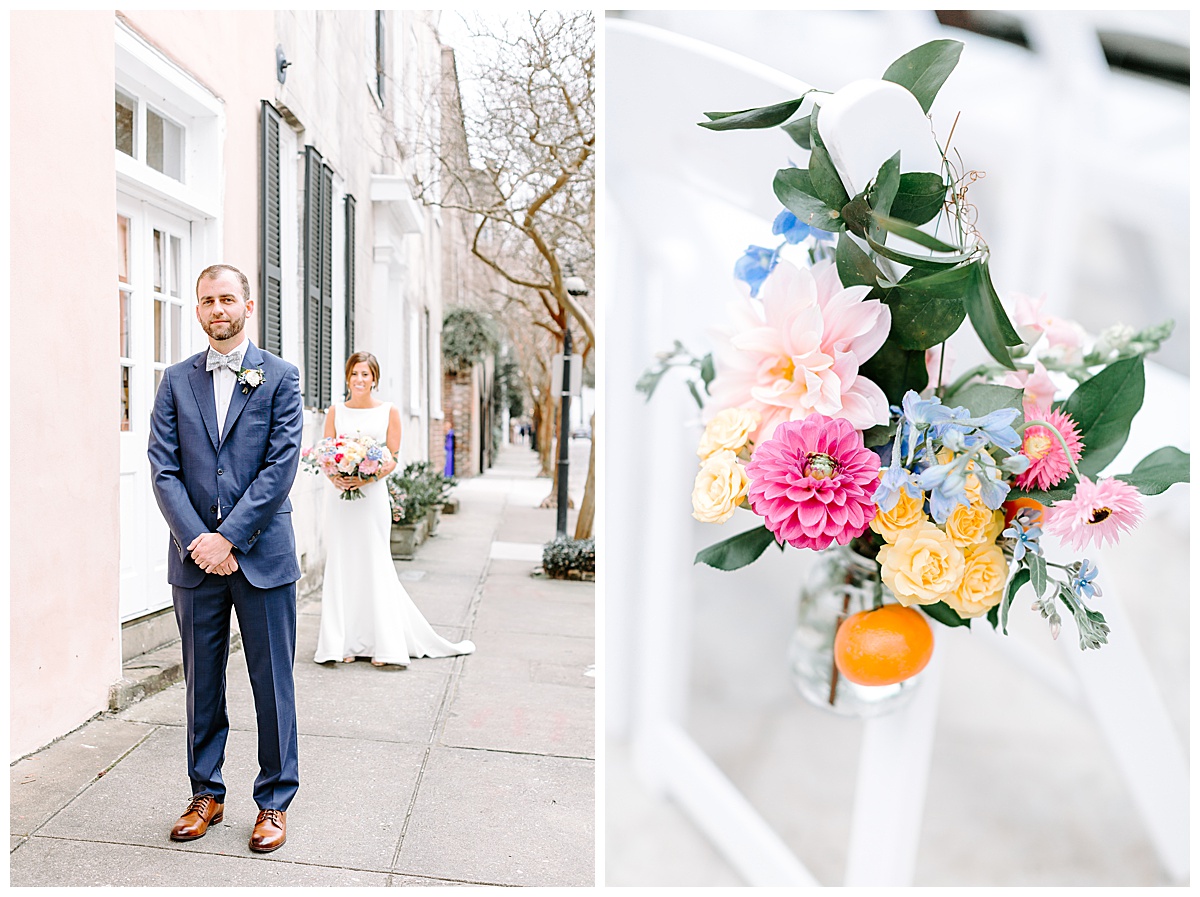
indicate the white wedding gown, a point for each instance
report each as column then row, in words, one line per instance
column 365, row 611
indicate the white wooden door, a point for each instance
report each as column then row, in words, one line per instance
column 157, row 330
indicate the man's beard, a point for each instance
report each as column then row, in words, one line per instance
column 235, row 327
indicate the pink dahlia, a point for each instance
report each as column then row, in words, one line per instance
column 800, row 353
column 1096, row 513
column 812, row 482
column 1048, row 465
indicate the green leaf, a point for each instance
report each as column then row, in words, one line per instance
column 984, row 398
column 857, row 215
column 854, row 266
column 695, row 393
column 1159, row 470
column 1103, row 408
column 927, row 308
column 881, row 434
column 919, row 198
column 925, row 262
column 924, row 70
column 887, row 184
column 760, row 117
column 944, row 614
column 648, row 382
column 793, row 187
column 1014, row 585
column 1007, row 331
column 909, row 232
column 737, row 551
column 978, row 301
column 993, row 616
column 896, row 370
column 707, row 370
column 800, row 131
column 1037, row 573
column 825, row 179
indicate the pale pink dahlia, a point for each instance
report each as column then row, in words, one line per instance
column 800, row 353
column 1096, row 513
column 812, row 482
column 1048, row 464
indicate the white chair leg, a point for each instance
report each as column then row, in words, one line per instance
column 1123, row 699
column 887, row 808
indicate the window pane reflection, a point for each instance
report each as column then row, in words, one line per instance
column 126, row 116
column 160, row 331
column 176, row 254
column 160, row 261
column 124, row 299
column 164, row 145
column 176, row 331
column 126, row 418
column 122, row 249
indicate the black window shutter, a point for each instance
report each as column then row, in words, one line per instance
column 270, row 290
column 312, row 277
column 349, row 276
column 326, row 283
column 380, row 52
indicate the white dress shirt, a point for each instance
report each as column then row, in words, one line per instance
column 223, row 382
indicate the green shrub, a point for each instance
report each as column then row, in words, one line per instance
column 562, row 556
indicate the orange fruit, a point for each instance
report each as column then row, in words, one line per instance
column 1012, row 508
column 883, row 646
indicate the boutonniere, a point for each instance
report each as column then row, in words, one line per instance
column 250, row 378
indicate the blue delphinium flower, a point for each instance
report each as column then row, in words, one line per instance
column 946, row 485
column 997, row 428
column 921, row 412
column 992, row 488
column 754, row 266
column 790, row 227
column 1025, row 533
column 1081, row 580
column 895, row 479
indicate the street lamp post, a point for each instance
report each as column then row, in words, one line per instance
column 576, row 287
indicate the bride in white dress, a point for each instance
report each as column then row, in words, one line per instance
column 365, row 611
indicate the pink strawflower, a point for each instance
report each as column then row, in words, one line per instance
column 1048, row 464
column 1096, row 513
column 812, row 482
column 800, row 351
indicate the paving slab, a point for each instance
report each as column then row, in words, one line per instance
column 513, row 601
column 535, row 718
column 42, row 784
column 503, row 819
column 91, row 864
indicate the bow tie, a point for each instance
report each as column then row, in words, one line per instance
column 216, row 360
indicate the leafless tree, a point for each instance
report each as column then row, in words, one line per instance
column 522, row 181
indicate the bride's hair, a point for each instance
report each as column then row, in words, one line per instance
column 359, row 357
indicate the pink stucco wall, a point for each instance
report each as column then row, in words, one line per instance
column 65, row 637
column 65, row 540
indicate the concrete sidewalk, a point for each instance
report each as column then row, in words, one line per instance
column 465, row 770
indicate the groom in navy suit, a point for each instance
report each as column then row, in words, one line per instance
column 224, row 447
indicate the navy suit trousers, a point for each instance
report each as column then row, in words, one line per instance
column 267, row 618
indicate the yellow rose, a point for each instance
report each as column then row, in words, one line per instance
column 974, row 524
column 922, row 566
column 982, row 585
column 907, row 511
column 720, row 487
column 729, row 431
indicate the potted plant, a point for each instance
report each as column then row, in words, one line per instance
column 408, row 517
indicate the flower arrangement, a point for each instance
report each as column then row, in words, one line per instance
column 360, row 457
column 419, row 487
column 831, row 412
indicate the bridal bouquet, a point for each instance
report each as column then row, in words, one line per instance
column 833, row 418
column 345, row 456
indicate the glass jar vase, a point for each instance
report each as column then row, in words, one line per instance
column 842, row 583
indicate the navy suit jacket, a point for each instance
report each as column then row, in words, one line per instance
column 249, row 468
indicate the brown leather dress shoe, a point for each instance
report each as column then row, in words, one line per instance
column 270, row 831
column 202, row 811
